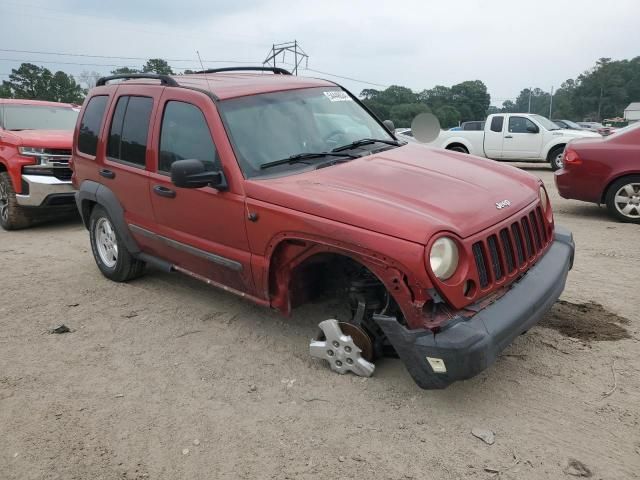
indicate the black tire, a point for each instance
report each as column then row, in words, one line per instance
column 121, row 266
column 458, row 148
column 555, row 158
column 632, row 182
column 12, row 215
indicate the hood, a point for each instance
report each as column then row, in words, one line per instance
column 410, row 192
column 45, row 138
column 576, row 133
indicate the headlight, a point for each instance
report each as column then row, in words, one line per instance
column 443, row 258
column 31, row 151
column 544, row 200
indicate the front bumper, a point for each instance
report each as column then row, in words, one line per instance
column 45, row 191
column 471, row 345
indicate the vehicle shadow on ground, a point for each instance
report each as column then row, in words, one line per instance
column 60, row 222
column 587, row 211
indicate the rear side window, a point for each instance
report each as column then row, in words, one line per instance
column 90, row 125
column 129, row 129
column 185, row 135
column 496, row 124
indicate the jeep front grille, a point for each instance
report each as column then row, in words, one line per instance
column 503, row 252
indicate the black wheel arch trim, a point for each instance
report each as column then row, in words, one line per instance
column 95, row 192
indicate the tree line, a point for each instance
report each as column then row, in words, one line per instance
column 601, row 92
column 33, row 82
column 598, row 93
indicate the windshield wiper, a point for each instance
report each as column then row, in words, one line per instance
column 366, row 141
column 301, row 157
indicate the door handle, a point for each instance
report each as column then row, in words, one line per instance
column 508, row 136
column 164, row 191
column 107, row 173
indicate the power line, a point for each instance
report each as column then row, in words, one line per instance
column 118, row 58
column 347, row 78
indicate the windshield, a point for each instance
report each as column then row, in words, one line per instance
column 571, row 124
column 545, row 122
column 273, row 126
column 36, row 117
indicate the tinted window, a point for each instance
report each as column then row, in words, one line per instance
column 115, row 132
column 129, row 129
column 473, row 126
column 496, row 124
column 90, row 125
column 520, row 124
column 184, row 135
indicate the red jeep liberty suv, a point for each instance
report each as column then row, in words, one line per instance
column 281, row 189
column 35, row 147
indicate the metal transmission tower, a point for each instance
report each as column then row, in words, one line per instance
column 281, row 49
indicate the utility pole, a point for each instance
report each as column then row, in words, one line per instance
column 529, row 110
column 551, row 103
column 600, row 103
column 278, row 49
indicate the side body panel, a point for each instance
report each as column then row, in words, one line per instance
column 205, row 227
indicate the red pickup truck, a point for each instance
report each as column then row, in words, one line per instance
column 35, row 147
column 282, row 189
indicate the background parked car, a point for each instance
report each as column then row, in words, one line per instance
column 35, row 147
column 405, row 134
column 567, row 124
column 605, row 170
column 597, row 127
column 514, row 137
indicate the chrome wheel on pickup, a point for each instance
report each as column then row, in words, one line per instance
column 12, row 215
column 623, row 199
column 4, row 203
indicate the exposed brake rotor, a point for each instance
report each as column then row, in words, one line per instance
column 345, row 346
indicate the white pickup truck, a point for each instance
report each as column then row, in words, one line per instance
column 514, row 136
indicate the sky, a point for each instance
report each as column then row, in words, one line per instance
column 509, row 45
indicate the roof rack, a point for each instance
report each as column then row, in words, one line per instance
column 276, row 70
column 164, row 79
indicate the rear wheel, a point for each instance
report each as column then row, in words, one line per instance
column 12, row 215
column 109, row 252
column 556, row 158
column 623, row 199
column 458, row 148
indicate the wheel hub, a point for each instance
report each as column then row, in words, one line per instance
column 106, row 242
column 4, row 202
column 344, row 352
column 627, row 200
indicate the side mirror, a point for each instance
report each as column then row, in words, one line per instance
column 532, row 129
column 192, row 174
column 390, row 126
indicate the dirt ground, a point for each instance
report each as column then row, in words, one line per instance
column 167, row 378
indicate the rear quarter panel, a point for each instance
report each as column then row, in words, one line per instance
column 603, row 162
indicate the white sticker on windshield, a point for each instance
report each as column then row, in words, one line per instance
column 338, row 96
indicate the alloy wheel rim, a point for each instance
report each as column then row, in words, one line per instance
column 627, row 200
column 559, row 161
column 106, row 242
column 4, row 202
